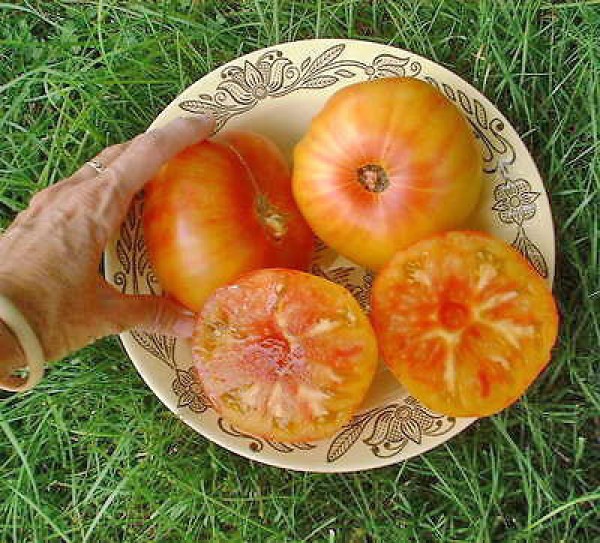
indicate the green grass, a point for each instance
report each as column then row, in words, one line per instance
column 92, row 455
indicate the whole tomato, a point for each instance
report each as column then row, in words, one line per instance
column 384, row 164
column 219, row 209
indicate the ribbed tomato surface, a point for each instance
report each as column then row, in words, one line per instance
column 220, row 209
column 384, row 164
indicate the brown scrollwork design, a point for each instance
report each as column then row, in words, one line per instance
column 392, row 428
column 273, row 75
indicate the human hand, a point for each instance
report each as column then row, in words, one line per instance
column 50, row 254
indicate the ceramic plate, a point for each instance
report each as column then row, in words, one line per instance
column 276, row 91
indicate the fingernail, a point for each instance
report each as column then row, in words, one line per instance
column 193, row 124
column 184, row 326
column 204, row 118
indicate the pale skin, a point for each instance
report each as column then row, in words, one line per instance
column 50, row 254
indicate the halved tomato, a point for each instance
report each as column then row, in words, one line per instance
column 285, row 355
column 464, row 322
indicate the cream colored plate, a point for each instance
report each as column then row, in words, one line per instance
column 276, row 91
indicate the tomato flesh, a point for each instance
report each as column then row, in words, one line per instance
column 464, row 322
column 285, row 355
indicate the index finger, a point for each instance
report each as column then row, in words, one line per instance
column 149, row 151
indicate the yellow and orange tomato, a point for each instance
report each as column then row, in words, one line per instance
column 384, row 164
column 220, row 209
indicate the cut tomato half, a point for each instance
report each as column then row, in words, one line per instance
column 284, row 354
column 464, row 322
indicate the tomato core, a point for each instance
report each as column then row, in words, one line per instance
column 454, row 316
column 276, row 353
column 373, row 178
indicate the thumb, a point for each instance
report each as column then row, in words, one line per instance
column 156, row 315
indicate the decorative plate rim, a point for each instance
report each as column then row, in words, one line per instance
column 504, row 188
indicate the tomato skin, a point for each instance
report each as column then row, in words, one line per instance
column 203, row 225
column 272, row 176
column 284, row 355
column 406, row 134
column 464, row 322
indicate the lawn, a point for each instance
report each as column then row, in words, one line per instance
column 92, row 455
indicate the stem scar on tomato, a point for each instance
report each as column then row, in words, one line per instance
column 271, row 217
column 373, row 178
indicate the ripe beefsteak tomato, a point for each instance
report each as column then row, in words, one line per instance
column 464, row 322
column 284, row 355
column 384, row 164
column 219, row 209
